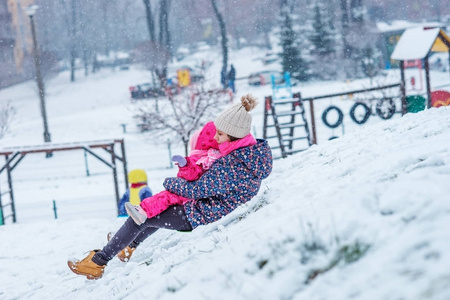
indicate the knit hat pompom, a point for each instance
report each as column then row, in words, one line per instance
column 236, row 121
column 249, row 102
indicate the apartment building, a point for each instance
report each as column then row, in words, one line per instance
column 16, row 44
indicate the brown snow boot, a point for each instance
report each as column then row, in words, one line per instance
column 125, row 254
column 87, row 267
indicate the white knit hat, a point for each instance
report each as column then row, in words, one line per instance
column 236, row 121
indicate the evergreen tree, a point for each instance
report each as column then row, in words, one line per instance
column 322, row 38
column 292, row 60
column 322, row 35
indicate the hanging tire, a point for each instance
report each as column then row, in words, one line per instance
column 339, row 120
column 366, row 114
column 385, row 108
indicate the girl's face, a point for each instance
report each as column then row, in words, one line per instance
column 221, row 137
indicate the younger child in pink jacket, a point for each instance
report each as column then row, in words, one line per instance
column 205, row 150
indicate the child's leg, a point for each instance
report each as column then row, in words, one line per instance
column 131, row 234
column 158, row 203
column 142, row 236
column 172, row 218
column 126, row 234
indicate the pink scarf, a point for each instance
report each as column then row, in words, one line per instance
column 226, row 147
column 206, row 158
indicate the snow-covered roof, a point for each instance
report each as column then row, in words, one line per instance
column 402, row 25
column 113, row 55
column 415, row 43
column 122, row 55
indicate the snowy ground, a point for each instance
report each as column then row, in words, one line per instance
column 364, row 216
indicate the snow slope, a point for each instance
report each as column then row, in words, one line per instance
column 365, row 216
column 388, row 191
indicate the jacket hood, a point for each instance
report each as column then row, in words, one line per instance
column 257, row 158
column 205, row 139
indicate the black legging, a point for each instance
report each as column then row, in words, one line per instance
column 131, row 234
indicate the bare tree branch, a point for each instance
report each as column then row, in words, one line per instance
column 180, row 115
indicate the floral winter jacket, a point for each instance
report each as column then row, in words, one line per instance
column 231, row 181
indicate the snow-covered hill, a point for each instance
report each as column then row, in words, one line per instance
column 365, row 216
column 368, row 214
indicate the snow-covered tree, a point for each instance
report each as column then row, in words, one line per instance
column 359, row 55
column 291, row 56
column 322, row 35
column 370, row 61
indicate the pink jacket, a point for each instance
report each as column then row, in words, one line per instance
column 204, row 151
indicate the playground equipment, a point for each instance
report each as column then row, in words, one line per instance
column 415, row 64
column 13, row 156
column 385, row 105
column 285, row 123
column 385, row 98
column 284, row 107
column 415, row 103
column 440, row 98
column 417, row 44
column 283, row 89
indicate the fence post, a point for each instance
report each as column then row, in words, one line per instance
column 13, row 206
column 124, row 127
column 402, row 86
column 313, row 122
column 427, row 78
column 1, row 208
column 114, row 168
column 267, row 107
column 170, row 153
column 86, row 163
column 124, row 162
column 54, row 209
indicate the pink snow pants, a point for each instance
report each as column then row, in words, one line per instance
column 158, row 203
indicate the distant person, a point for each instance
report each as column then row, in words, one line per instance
column 232, row 180
column 95, row 65
column 232, row 78
column 223, row 78
column 137, row 191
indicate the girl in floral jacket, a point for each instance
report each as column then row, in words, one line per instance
column 232, row 180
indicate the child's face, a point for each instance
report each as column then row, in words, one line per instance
column 221, row 137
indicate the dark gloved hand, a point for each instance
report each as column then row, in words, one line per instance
column 180, row 160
